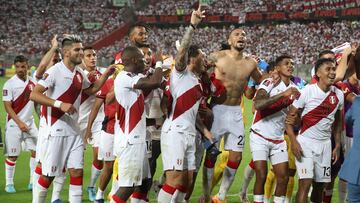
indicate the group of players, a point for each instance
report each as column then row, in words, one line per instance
column 133, row 112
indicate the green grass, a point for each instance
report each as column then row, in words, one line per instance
column 22, row 171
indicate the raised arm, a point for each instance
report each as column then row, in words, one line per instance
column 46, row 60
column 263, row 100
column 181, row 56
column 342, row 70
column 95, row 87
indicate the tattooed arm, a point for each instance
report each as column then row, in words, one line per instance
column 262, row 99
column 181, row 56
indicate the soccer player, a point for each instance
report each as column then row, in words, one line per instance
column 183, row 93
column 20, row 124
column 130, row 125
column 91, row 131
column 63, row 84
column 267, row 130
column 321, row 106
column 231, row 126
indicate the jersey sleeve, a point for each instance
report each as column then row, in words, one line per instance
column 103, row 91
column 86, row 82
column 301, row 101
column 49, row 77
column 7, row 92
column 266, row 85
column 341, row 100
column 129, row 81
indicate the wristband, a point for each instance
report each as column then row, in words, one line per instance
column 158, row 64
column 57, row 103
column 193, row 26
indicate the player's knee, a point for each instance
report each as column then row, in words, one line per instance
column 261, row 174
column 282, row 180
column 235, row 156
column 76, row 172
column 12, row 158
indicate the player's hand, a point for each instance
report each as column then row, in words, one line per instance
column 159, row 55
column 208, row 135
column 67, row 108
column 292, row 92
column 296, row 149
column 197, row 16
column 23, row 127
column 54, row 42
column 88, row 135
column 291, row 119
column 335, row 154
column 110, row 70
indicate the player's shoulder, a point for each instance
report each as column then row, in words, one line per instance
column 337, row 90
column 8, row 83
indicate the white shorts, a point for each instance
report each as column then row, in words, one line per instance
column 348, row 142
column 41, row 140
column 133, row 166
column 199, row 151
column 95, row 130
column 263, row 149
column 316, row 160
column 178, row 150
column 228, row 122
column 106, row 147
column 62, row 152
column 14, row 137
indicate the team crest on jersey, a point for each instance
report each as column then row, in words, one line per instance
column 45, row 76
column 332, row 99
column 78, row 76
column 267, row 82
column 5, row 93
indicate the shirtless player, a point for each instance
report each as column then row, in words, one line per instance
column 233, row 68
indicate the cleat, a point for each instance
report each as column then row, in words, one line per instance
column 91, row 193
column 215, row 199
column 10, row 188
column 243, row 198
column 30, row 186
column 57, row 201
column 99, row 201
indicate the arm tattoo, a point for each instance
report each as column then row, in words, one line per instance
column 262, row 99
column 184, row 46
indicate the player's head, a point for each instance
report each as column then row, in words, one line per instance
column 133, row 59
column 237, row 39
column 138, row 35
column 196, row 58
column 147, row 55
column 21, row 66
column 325, row 70
column 90, row 57
column 328, row 54
column 284, row 65
column 271, row 67
column 72, row 49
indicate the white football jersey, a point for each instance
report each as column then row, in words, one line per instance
column 130, row 125
column 270, row 122
column 18, row 92
column 65, row 86
column 184, row 93
column 319, row 109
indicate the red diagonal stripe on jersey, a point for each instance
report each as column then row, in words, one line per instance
column 92, row 79
column 121, row 114
column 136, row 112
column 69, row 96
column 322, row 111
column 84, row 97
column 272, row 109
column 187, row 100
column 22, row 99
column 44, row 112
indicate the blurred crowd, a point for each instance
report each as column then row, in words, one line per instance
column 303, row 41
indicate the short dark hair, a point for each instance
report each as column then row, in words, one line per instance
column 236, row 28
column 132, row 28
column 324, row 52
column 88, row 48
column 20, row 58
column 321, row 61
column 194, row 51
column 271, row 66
column 70, row 39
column 128, row 53
column 280, row 58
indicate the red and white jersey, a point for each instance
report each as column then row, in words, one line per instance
column 184, row 93
column 87, row 101
column 109, row 109
column 152, row 104
column 319, row 109
column 18, row 92
column 66, row 86
column 270, row 122
column 130, row 125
